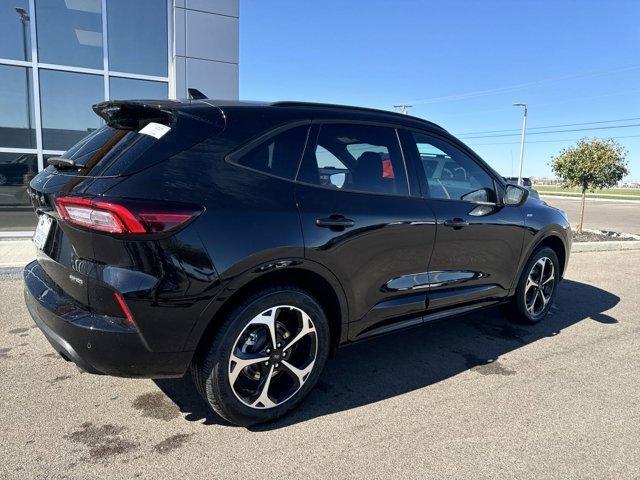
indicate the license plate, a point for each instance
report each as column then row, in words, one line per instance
column 42, row 231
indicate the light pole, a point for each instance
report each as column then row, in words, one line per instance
column 24, row 18
column 404, row 108
column 524, row 131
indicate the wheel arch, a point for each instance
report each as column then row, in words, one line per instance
column 552, row 238
column 555, row 243
column 304, row 274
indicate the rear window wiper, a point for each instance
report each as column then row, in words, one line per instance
column 61, row 162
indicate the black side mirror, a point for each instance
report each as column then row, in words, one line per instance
column 515, row 195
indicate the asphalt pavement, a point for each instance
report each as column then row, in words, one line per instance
column 617, row 215
column 474, row 397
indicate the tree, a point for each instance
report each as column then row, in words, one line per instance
column 590, row 165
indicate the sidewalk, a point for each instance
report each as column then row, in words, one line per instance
column 16, row 253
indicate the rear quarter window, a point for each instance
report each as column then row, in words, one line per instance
column 279, row 155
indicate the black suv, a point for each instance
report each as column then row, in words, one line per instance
column 246, row 241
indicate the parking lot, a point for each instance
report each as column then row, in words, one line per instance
column 466, row 398
column 616, row 215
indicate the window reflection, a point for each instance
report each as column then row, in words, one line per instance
column 66, row 100
column 70, row 32
column 17, row 122
column 138, row 36
column 16, row 170
column 127, row 88
column 15, row 22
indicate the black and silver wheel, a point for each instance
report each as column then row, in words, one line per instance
column 537, row 286
column 266, row 356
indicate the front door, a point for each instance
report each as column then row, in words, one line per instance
column 361, row 221
column 478, row 241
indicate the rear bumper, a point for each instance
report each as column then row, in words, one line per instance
column 95, row 343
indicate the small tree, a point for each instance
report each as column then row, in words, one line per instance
column 591, row 164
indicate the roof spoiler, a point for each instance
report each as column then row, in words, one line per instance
column 132, row 115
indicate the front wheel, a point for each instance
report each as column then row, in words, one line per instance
column 266, row 356
column 537, row 286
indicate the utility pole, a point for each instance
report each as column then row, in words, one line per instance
column 524, row 131
column 404, row 108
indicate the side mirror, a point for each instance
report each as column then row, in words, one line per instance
column 515, row 195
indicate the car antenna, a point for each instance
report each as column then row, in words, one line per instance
column 195, row 94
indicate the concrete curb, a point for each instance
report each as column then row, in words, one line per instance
column 15, row 254
column 590, row 199
column 614, row 245
column 11, row 273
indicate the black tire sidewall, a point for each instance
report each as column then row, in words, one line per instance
column 520, row 308
column 217, row 383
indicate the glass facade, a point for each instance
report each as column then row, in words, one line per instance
column 70, row 32
column 17, row 121
column 57, row 58
column 133, row 49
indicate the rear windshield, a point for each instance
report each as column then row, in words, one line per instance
column 111, row 151
column 103, row 142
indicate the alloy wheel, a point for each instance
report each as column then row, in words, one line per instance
column 273, row 357
column 539, row 287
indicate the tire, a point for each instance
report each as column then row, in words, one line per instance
column 528, row 305
column 245, row 335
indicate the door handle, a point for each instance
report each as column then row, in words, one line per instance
column 335, row 222
column 456, row 223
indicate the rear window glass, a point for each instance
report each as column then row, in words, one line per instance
column 111, row 151
column 280, row 155
column 104, row 138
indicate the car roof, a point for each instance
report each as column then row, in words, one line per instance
column 293, row 109
column 325, row 110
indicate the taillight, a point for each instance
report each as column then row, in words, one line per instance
column 127, row 217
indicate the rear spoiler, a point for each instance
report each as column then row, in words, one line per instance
column 133, row 115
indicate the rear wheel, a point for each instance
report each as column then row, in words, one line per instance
column 266, row 356
column 536, row 288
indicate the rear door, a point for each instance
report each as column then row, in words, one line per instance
column 361, row 220
column 479, row 241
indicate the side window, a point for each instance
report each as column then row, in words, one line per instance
column 358, row 158
column 451, row 173
column 280, row 155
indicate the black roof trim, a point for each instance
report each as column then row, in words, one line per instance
column 332, row 106
column 288, row 103
column 325, row 106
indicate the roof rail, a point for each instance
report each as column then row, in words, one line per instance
column 350, row 107
column 289, row 103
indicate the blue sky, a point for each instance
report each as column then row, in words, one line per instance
column 462, row 64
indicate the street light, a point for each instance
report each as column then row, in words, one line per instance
column 24, row 18
column 404, row 108
column 524, row 130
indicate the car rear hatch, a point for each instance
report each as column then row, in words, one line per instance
column 136, row 136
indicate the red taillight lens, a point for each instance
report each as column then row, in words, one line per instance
column 127, row 218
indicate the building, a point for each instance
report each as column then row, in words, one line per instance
column 58, row 57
